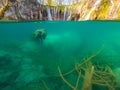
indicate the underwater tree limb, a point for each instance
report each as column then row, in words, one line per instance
column 87, row 84
column 103, row 81
column 77, row 82
column 79, row 75
column 84, row 61
column 91, row 73
column 45, row 85
column 99, row 84
column 71, row 86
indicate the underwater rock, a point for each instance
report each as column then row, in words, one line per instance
column 39, row 35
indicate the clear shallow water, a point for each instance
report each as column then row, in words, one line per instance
column 24, row 63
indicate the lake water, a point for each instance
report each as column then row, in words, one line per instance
column 29, row 65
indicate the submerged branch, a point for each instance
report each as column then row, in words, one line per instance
column 71, row 86
column 91, row 74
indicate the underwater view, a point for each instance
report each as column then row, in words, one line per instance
column 60, row 55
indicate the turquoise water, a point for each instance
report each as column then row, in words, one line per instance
column 27, row 65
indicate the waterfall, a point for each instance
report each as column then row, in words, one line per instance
column 39, row 1
column 70, row 12
column 64, row 14
column 31, row 14
column 116, row 11
column 49, row 13
column 113, row 11
column 54, row 13
column 40, row 15
column 57, row 13
column 84, row 11
column 93, row 8
column 111, row 8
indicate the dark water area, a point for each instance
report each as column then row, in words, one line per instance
column 29, row 65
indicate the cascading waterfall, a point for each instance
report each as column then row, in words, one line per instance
column 27, row 10
column 49, row 13
column 57, row 12
column 69, row 13
column 40, row 15
column 92, row 9
column 84, row 10
column 64, row 14
column 116, row 11
column 111, row 8
column 54, row 13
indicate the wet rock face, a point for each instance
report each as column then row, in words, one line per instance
column 98, row 9
column 75, row 17
column 13, row 0
column 86, row 9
